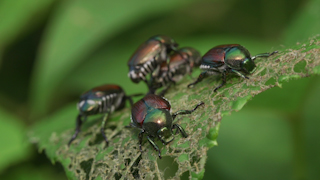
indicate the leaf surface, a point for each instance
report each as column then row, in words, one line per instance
column 88, row 156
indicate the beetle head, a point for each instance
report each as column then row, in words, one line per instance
column 134, row 76
column 248, row 66
column 165, row 135
column 88, row 106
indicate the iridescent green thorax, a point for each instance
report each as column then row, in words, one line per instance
column 248, row 66
column 236, row 54
column 155, row 120
column 238, row 58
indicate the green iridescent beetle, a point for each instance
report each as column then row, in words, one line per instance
column 229, row 58
column 152, row 116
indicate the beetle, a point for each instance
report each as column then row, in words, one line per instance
column 229, row 58
column 181, row 63
column 152, row 116
column 149, row 56
column 104, row 99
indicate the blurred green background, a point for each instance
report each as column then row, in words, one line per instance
column 51, row 51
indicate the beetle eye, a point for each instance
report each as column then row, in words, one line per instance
column 248, row 66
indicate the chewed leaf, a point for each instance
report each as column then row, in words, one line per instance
column 89, row 158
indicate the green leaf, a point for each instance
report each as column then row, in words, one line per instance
column 76, row 29
column 286, row 99
column 283, row 121
column 305, row 24
column 34, row 171
column 88, row 156
column 19, row 15
column 310, row 127
column 1, row 54
column 254, row 143
column 14, row 144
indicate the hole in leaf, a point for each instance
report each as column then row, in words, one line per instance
column 271, row 81
column 115, row 153
column 127, row 161
column 117, row 176
column 185, row 175
column 263, row 72
column 86, row 166
column 98, row 140
column 101, row 165
column 135, row 169
column 168, row 166
column 112, row 127
column 300, row 67
column 87, row 133
column 194, row 158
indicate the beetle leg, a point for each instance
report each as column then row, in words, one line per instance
column 166, row 142
column 78, row 128
column 180, row 129
column 103, row 124
column 181, row 112
column 149, row 84
column 146, row 81
column 224, row 80
column 239, row 74
column 140, row 139
column 151, row 91
column 154, row 146
column 165, row 90
column 200, row 78
column 264, row 55
column 130, row 100
column 170, row 79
